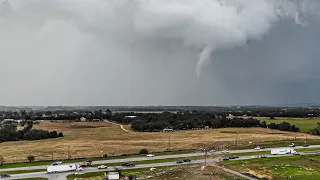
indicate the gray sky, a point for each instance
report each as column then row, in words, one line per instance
column 159, row 52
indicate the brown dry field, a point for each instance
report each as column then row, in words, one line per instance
column 106, row 138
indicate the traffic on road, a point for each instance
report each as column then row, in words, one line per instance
column 61, row 170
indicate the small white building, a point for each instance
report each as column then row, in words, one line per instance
column 167, row 130
column 131, row 116
column 113, row 175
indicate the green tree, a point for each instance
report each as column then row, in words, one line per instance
column 316, row 130
column 31, row 158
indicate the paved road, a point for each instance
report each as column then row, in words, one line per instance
column 62, row 176
column 156, row 157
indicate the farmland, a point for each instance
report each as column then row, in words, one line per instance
column 298, row 167
column 305, row 124
column 95, row 139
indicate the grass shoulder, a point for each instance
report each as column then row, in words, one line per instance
column 35, row 178
column 298, row 167
column 22, row 171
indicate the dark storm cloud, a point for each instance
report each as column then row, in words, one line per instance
column 158, row 52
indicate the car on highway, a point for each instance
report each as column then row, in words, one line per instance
column 225, row 152
column 84, row 165
column 233, row 157
column 186, row 160
column 89, row 162
column 225, row 159
column 5, row 175
column 102, row 167
column 257, row 148
column 262, row 147
column 54, row 164
column 263, row 156
column 150, row 155
column 254, row 157
column 128, row 165
column 212, row 151
column 179, row 162
column 306, row 145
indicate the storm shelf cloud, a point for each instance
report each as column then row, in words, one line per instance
column 159, row 52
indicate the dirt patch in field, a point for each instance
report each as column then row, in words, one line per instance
column 258, row 174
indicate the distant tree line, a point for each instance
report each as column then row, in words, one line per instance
column 9, row 132
column 284, row 126
column 196, row 120
column 107, row 114
column 179, row 120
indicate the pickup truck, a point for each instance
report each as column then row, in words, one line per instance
column 102, row 167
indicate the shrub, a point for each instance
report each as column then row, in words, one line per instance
column 132, row 177
column 31, row 158
column 143, row 151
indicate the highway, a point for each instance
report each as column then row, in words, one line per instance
column 62, row 176
column 159, row 157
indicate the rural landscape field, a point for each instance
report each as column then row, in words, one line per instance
column 305, row 124
column 95, row 139
column 292, row 167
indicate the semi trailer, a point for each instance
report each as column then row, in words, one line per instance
column 63, row 168
column 283, row 151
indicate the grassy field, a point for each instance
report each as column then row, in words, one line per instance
column 305, row 124
column 298, row 167
column 22, row 171
column 106, row 138
column 168, row 173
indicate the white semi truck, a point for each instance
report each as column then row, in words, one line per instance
column 283, row 151
column 63, row 168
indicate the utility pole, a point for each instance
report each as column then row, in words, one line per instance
column 68, row 152
column 237, row 140
column 169, row 143
column 306, row 137
column 205, row 157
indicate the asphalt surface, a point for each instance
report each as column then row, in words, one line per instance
column 158, row 157
column 62, row 176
